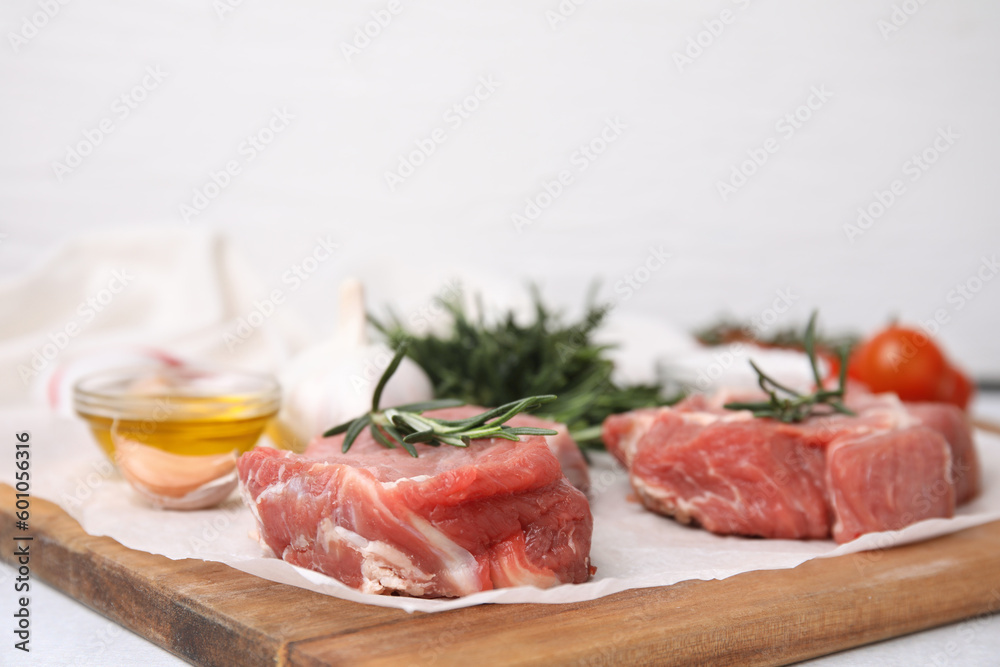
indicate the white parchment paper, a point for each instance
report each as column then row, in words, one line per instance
column 632, row 548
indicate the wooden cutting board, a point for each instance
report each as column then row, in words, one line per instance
column 211, row 614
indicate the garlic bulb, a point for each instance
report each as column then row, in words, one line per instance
column 333, row 382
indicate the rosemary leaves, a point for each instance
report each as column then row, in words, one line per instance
column 405, row 425
column 796, row 407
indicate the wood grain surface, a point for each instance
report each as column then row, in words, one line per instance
column 211, row 614
column 987, row 425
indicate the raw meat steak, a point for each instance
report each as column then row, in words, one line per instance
column 562, row 445
column 732, row 478
column 452, row 522
column 890, row 465
column 574, row 466
column 888, row 480
column 950, row 421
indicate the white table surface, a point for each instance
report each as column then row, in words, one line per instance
column 64, row 632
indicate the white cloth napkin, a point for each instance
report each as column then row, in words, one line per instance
column 132, row 296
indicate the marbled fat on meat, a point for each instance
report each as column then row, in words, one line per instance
column 452, row 522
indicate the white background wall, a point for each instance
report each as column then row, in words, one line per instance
column 684, row 130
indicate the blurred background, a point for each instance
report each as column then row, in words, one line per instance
column 699, row 158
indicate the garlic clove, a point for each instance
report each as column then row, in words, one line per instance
column 174, row 481
column 333, row 382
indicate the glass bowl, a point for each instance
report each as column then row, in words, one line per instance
column 175, row 432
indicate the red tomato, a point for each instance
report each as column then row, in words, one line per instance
column 901, row 360
column 907, row 362
column 955, row 388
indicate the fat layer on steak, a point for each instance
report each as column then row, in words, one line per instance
column 452, row 522
column 842, row 476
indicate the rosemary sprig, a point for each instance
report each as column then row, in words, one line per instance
column 796, row 407
column 405, row 425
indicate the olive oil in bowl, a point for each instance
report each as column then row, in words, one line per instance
column 175, row 432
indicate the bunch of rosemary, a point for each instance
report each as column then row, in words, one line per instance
column 498, row 360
